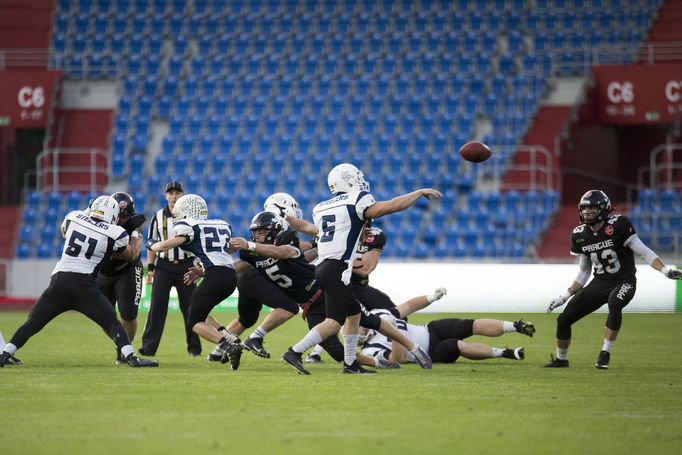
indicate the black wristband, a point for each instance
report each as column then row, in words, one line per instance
column 151, row 267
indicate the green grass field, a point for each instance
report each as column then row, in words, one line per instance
column 68, row 397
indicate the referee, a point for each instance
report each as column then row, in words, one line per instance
column 165, row 270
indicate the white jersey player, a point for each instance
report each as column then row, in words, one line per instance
column 338, row 225
column 208, row 240
column 91, row 238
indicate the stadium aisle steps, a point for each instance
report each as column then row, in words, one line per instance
column 556, row 242
column 667, row 26
column 9, row 220
column 25, row 23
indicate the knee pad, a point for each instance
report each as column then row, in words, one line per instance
column 563, row 328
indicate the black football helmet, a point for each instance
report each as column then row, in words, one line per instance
column 126, row 205
column 272, row 223
column 594, row 198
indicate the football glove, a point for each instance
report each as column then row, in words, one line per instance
column 557, row 302
column 673, row 274
column 134, row 222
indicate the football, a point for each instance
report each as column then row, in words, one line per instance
column 475, row 151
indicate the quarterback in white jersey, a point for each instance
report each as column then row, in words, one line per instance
column 443, row 339
column 208, row 240
column 91, row 238
column 338, row 225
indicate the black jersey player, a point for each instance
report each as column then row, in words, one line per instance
column 604, row 243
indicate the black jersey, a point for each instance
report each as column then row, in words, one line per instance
column 376, row 240
column 295, row 276
column 118, row 266
column 607, row 248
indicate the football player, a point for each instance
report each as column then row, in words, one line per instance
column 443, row 338
column 91, row 238
column 121, row 281
column 606, row 244
column 338, row 226
column 209, row 240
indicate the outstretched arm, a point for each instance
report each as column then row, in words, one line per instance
column 583, row 275
column 270, row 251
column 400, row 203
column 302, row 226
column 637, row 246
column 166, row 244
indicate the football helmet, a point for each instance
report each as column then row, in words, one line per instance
column 272, row 223
column 345, row 178
column 126, row 205
column 283, row 204
column 104, row 208
column 594, row 198
column 190, row 206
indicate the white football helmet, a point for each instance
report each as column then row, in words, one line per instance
column 345, row 178
column 190, row 206
column 104, row 208
column 283, row 204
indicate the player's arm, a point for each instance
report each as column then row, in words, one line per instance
column 367, row 263
column 166, row 244
column 303, row 226
column 418, row 303
column 400, row 203
column 270, row 251
column 651, row 258
column 585, row 267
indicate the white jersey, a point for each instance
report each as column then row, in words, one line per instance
column 88, row 243
column 339, row 222
column 378, row 344
column 209, row 240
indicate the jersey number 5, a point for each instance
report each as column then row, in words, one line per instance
column 75, row 247
column 328, row 228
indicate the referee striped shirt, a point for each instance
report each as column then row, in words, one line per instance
column 161, row 228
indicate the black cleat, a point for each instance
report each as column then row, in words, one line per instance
column 233, row 354
column 4, row 359
column 514, row 353
column 422, row 358
column 556, row 363
column 313, row 358
column 603, row 360
column 294, row 360
column 255, row 345
column 146, row 352
column 355, row 368
column 526, row 328
column 214, row 357
column 136, row 362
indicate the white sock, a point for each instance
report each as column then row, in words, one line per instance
column 350, row 345
column 127, row 350
column 311, row 339
column 317, row 351
column 437, row 295
column 9, row 347
column 608, row 345
column 497, row 352
column 260, row 332
column 562, row 354
column 508, row 327
column 229, row 336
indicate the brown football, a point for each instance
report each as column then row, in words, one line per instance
column 475, row 151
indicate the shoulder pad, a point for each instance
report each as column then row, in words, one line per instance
column 579, row 229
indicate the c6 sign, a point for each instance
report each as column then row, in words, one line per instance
column 25, row 97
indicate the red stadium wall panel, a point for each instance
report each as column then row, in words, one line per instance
column 638, row 94
column 25, row 97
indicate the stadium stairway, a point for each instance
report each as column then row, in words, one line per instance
column 556, row 243
column 667, row 26
column 9, row 220
column 25, row 24
column 544, row 129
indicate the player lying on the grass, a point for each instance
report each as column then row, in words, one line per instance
column 275, row 254
column 606, row 243
column 208, row 240
column 443, row 338
column 91, row 239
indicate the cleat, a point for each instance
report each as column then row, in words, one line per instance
column 514, row 353
column 313, row 358
column 119, row 358
column 136, row 362
column 146, row 352
column 294, row 360
column 255, row 345
column 556, row 363
column 4, row 359
column 422, row 358
column 14, row 361
column 603, row 360
column 355, row 368
column 232, row 352
column 526, row 328
column 384, row 363
column 214, row 357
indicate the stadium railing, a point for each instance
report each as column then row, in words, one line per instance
column 83, row 161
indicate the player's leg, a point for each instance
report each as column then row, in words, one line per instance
column 158, row 310
column 184, row 295
column 374, row 299
column 50, row 305
column 128, row 289
column 618, row 299
column 496, row 328
column 480, row 351
column 588, row 300
column 332, row 345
